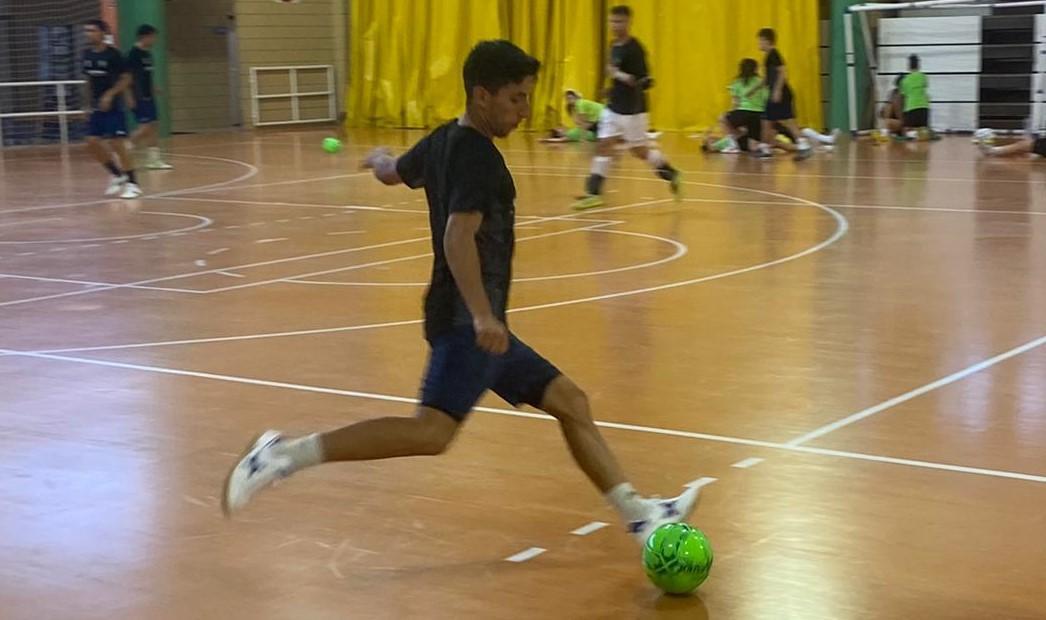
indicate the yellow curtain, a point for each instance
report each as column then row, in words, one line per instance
column 406, row 55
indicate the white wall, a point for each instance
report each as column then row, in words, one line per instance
column 949, row 48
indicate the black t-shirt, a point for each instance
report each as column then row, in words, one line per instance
column 462, row 171
column 140, row 64
column 772, row 67
column 103, row 69
column 629, row 57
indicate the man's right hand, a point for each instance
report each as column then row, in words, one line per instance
column 105, row 103
column 372, row 158
column 491, row 335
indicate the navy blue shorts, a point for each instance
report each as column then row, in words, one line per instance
column 459, row 372
column 111, row 124
column 145, row 111
column 1039, row 147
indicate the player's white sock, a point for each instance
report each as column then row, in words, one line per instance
column 306, row 451
column 817, row 137
column 628, row 503
column 655, row 158
column 601, row 165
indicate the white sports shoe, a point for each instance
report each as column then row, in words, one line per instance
column 131, row 190
column 258, row 468
column 663, row 511
column 155, row 160
column 116, row 185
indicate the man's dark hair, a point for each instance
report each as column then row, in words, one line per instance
column 495, row 64
column 145, row 30
column 768, row 34
column 913, row 62
column 99, row 24
column 621, row 10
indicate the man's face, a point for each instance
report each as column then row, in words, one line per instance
column 93, row 34
column 509, row 107
column 619, row 25
column 765, row 45
column 148, row 41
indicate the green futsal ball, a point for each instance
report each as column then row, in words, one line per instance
column 677, row 558
column 331, row 145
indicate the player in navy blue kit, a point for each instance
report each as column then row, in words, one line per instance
column 471, row 199
column 107, row 79
column 625, row 117
column 142, row 98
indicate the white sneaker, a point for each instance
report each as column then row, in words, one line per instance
column 115, row 185
column 131, row 190
column 663, row 511
column 155, row 161
column 258, row 468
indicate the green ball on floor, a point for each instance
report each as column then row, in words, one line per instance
column 677, row 558
column 332, row 145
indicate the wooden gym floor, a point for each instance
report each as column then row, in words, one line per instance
column 847, row 351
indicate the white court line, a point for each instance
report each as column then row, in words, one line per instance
column 842, row 226
column 389, row 261
column 24, row 222
column 919, row 391
column 941, row 209
column 202, row 263
column 251, row 172
column 588, row 528
column 230, row 274
column 91, row 283
column 526, row 554
column 273, row 240
column 748, row 463
column 700, row 482
column 536, row 416
column 680, row 251
column 217, row 251
column 203, row 223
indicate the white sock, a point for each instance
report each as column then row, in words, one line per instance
column 601, row 165
column 655, row 158
column 804, row 144
column 305, row 451
column 817, row 137
column 154, row 153
column 628, row 503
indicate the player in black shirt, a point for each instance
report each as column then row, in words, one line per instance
column 471, row 198
column 625, row 117
column 780, row 107
column 142, row 98
column 107, row 78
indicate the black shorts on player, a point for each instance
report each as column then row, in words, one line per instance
column 919, row 117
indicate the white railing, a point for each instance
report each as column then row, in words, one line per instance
column 294, row 95
column 63, row 112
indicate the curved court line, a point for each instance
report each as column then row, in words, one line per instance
column 681, row 250
column 203, row 223
column 842, row 227
column 252, row 171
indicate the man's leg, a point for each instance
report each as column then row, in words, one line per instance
column 119, row 147
column 635, row 134
column 458, row 374
column 600, row 168
column 103, row 156
column 1020, row 147
column 566, row 402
